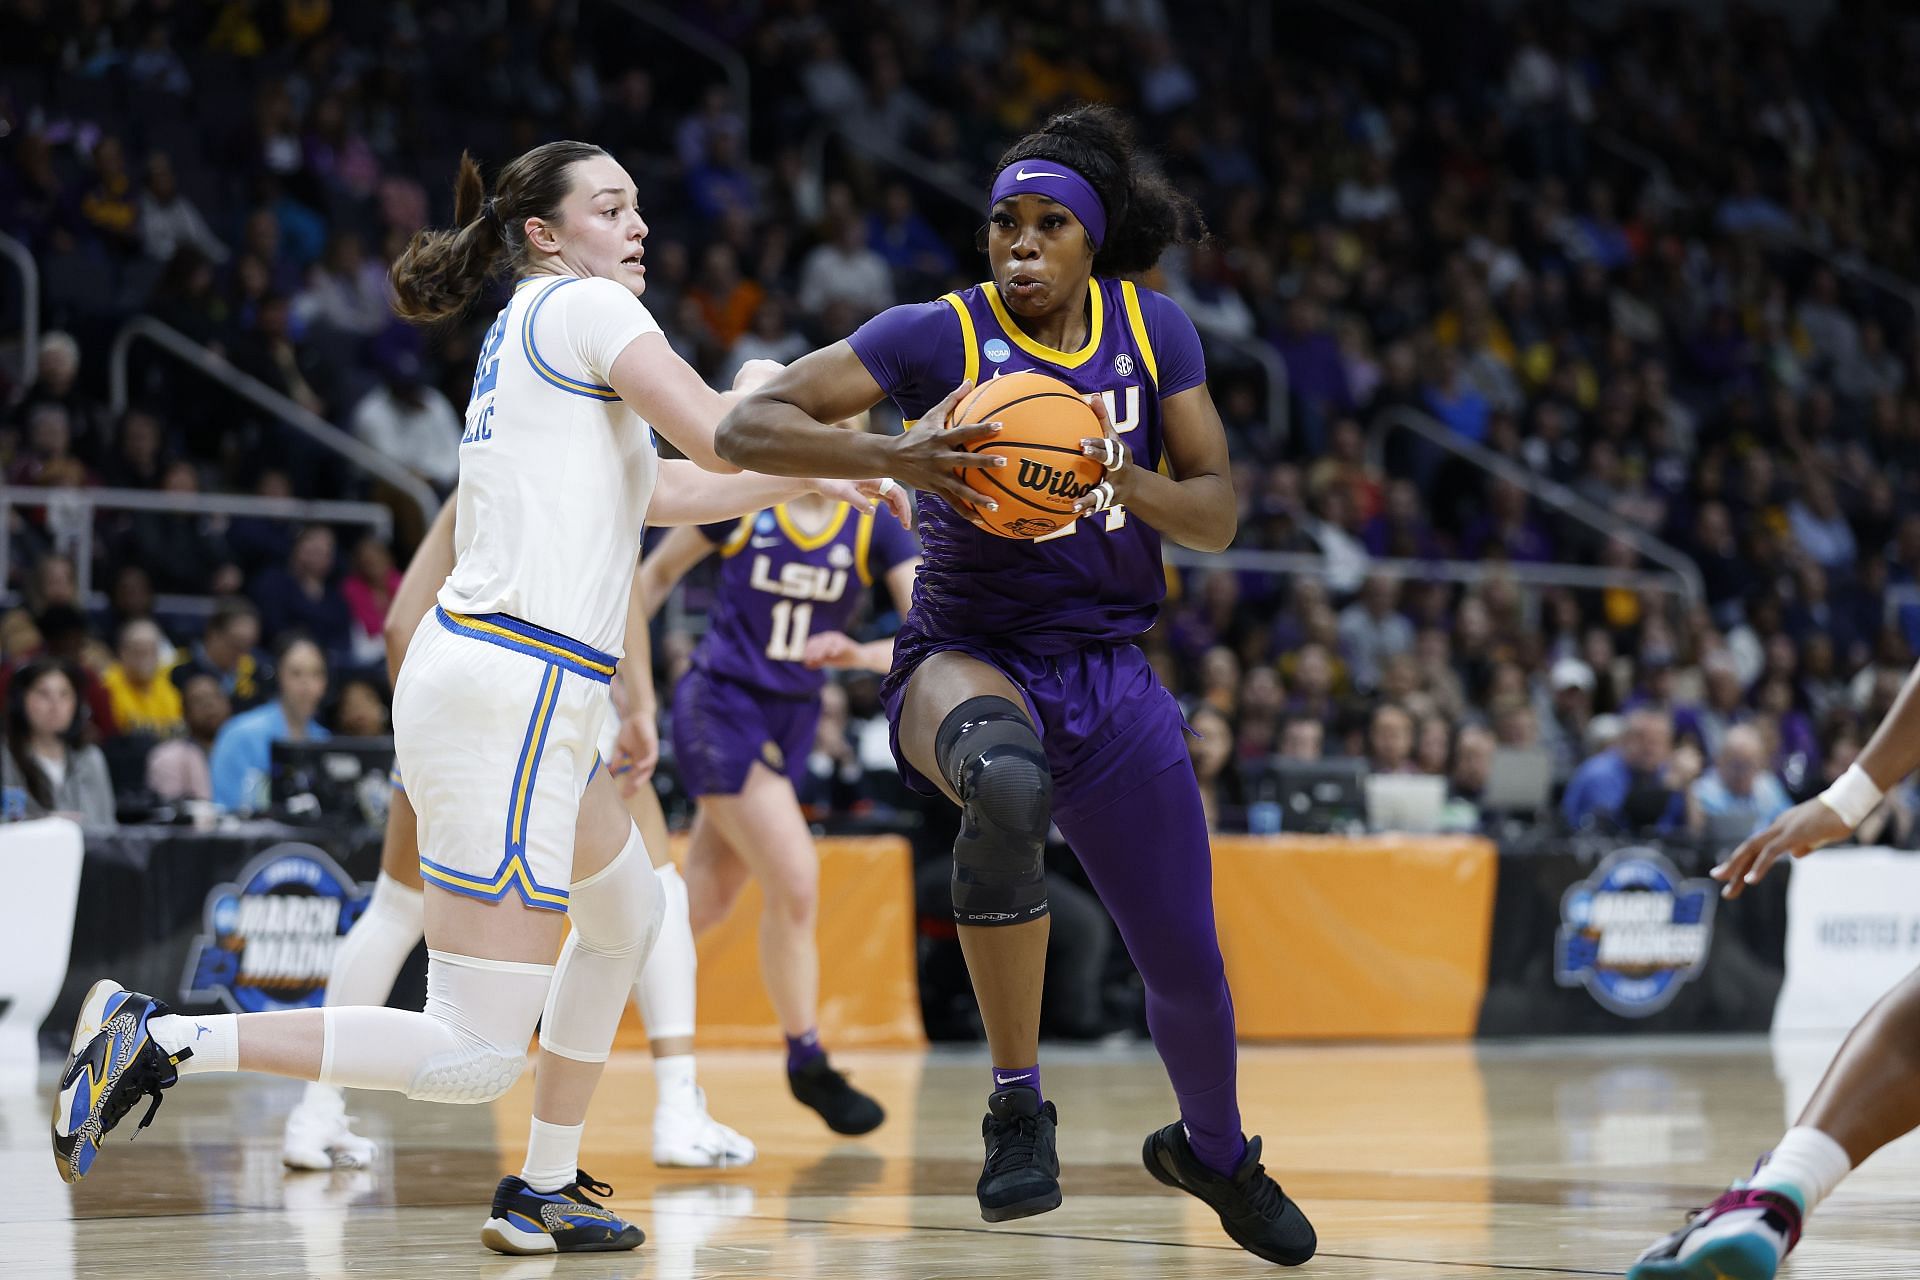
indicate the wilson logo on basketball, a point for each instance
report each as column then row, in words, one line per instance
column 1041, row 478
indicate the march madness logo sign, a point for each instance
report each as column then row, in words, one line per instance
column 1633, row 933
column 270, row 939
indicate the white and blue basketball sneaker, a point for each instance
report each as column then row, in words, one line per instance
column 526, row 1221
column 1744, row 1235
column 114, row 1062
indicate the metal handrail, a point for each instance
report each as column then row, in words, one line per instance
column 1305, row 564
column 75, row 510
column 22, row 259
column 923, row 170
column 1548, row 492
column 264, row 398
column 732, row 65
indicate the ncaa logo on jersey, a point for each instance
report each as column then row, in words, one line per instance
column 1123, row 365
column 840, row 557
column 997, row 350
column 765, row 523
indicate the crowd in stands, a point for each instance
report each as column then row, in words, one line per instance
column 1647, row 262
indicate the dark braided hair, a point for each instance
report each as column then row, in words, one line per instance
column 1145, row 213
column 442, row 272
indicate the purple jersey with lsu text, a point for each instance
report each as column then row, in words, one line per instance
column 778, row 585
column 1100, row 582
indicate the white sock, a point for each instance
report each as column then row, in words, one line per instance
column 553, row 1155
column 665, row 991
column 324, row 1099
column 215, row 1040
column 674, row 1078
column 1807, row 1165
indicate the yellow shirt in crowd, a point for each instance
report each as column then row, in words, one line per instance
column 153, row 709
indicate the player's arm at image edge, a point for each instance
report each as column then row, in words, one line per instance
column 780, row 426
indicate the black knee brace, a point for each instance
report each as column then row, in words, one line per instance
column 994, row 760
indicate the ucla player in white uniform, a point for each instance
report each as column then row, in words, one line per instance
column 499, row 705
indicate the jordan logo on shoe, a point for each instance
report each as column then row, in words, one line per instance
column 201, row 1029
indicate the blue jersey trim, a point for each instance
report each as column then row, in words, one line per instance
column 509, row 632
column 573, row 386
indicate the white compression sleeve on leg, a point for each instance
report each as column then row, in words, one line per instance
column 615, row 915
column 470, row 1044
column 665, row 992
column 371, row 955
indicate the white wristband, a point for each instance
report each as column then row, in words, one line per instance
column 1853, row 796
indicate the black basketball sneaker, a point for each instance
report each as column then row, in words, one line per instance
column 1022, row 1174
column 843, row 1107
column 1255, row 1212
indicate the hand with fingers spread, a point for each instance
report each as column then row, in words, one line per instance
column 1810, row 825
column 929, row 456
column 1111, row 453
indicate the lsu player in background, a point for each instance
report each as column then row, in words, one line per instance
column 743, row 723
column 500, row 704
column 1017, row 690
column 1871, row 1093
column 319, row 1133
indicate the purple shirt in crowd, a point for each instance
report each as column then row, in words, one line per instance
column 778, row 586
column 1100, row 582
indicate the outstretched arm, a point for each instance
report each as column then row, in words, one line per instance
column 687, row 494
column 782, row 428
column 426, row 574
column 1889, row 756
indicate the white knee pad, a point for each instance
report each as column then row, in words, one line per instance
column 469, row 1044
column 615, row 915
column 665, row 991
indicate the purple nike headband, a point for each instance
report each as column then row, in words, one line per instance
column 1042, row 177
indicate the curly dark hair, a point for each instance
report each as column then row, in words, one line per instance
column 1145, row 213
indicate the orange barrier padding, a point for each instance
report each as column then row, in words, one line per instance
column 869, row 986
column 1331, row 937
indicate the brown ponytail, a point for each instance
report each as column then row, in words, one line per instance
column 442, row 273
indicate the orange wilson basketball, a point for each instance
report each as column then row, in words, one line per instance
column 1043, row 421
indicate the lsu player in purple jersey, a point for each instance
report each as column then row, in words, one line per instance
column 1017, row 690
column 743, row 722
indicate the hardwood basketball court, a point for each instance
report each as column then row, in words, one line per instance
column 1416, row 1162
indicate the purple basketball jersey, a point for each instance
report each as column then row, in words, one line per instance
column 779, row 585
column 1100, row 579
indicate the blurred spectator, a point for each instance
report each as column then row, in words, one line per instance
column 46, row 770
column 1372, row 630
column 301, row 594
column 411, row 422
column 772, row 337
column 1302, row 738
column 368, row 590
column 345, row 291
column 1472, row 767
column 360, row 711
column 229, row 651
column 1211, row 746
column 1820, row 527
column 1390, row 740
column 67, row 637
column 179, row 768
column 169, row 221
column 144, row 699
column 1738, row 796
column 1636, row 785
column 243, row 750
column 845, row 270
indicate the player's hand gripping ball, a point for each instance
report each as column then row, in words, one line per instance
column 1043, row 421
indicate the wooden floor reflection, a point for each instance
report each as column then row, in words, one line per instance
column 1415, row 1162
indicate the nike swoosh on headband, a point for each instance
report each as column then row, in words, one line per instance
column 1022, row 175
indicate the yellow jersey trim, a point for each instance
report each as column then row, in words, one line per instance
column 818, row 540
column 567, row 655
column 863, row 546
column 969, row 342
column 1096, row 328
column 1138, row 323
column 738, row 538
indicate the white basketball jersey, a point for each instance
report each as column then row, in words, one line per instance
column 555, row 471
